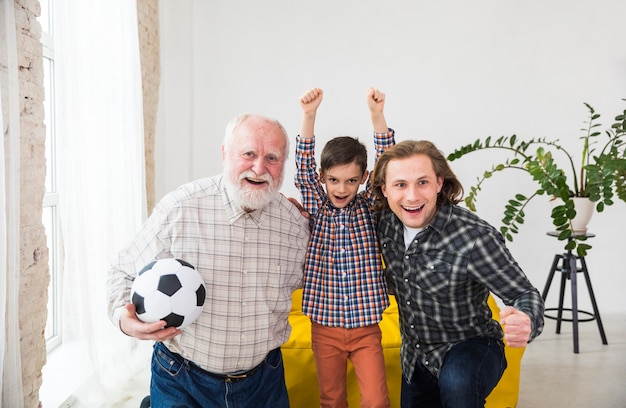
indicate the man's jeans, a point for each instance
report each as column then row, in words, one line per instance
column 177, row 382
column 470, row 371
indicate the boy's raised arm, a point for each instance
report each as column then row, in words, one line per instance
column 376, row 105
column 309, row 102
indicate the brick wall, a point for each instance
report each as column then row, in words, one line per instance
column 34, row 276
column 148, row 16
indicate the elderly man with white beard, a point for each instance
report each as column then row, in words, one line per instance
column 248, row 242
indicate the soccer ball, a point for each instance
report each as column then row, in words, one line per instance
column 168, row 289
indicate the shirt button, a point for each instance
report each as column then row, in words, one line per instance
column 406, row 279
column 408, row 302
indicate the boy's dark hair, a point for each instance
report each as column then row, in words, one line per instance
column 343, row 150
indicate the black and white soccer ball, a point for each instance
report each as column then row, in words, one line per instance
column 168, row 289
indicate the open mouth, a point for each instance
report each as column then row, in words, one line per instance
column 340, row 201
column 255, row 182
column 413, row 210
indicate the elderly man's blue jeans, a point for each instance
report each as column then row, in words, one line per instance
column 177, row 382
column 470, row 371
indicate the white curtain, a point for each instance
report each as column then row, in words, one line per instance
column 101, row 178
column 10, row 359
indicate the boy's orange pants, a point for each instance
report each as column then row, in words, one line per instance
column 332, row 347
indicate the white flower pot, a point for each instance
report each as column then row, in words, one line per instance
column 584, row 210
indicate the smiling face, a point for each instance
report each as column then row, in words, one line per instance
column 342, row 183
column 254, row 162
column 411, row 187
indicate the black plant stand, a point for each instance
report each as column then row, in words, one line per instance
column 567, row 264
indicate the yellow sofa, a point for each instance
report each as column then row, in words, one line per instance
column 301, row 377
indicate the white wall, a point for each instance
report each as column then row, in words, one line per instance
column 453, row 72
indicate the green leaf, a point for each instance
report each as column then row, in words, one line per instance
column 557, row 211
column 565, row 234
column 582, row 249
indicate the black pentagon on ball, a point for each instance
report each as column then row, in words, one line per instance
column 138, row 301
column 200, row 295
column 173, row 320
column 147, row 267
column 185, row 263
column 169, row 284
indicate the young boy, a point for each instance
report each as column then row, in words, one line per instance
column 345, row 291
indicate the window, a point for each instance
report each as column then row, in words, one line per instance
column 51, row 197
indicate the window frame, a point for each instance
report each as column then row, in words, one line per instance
column 50, row 217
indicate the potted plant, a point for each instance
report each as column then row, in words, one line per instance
column 600, row 174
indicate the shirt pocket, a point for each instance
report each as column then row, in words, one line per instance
column 438, row 274
column 275, row 281
column 434, row 276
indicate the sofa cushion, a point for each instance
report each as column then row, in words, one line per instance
column 301, row 376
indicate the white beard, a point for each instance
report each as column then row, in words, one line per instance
column 247, row 197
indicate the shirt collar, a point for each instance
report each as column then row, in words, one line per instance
column 441, row 218
column 235, row 212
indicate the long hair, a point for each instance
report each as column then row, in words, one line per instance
column 451, row 191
